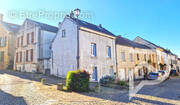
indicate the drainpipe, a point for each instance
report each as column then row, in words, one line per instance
column 78, row 57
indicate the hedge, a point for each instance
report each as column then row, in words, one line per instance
column 78, row 81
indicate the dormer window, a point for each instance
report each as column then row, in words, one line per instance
column 63, row 33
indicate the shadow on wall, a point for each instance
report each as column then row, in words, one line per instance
column 8, row 99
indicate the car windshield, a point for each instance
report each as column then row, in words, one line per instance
column 153, row 73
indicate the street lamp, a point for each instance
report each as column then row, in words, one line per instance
column 77, row 12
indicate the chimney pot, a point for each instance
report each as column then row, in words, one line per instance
column 72, row 14
column 100, row 25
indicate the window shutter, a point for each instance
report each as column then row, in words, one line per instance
column 20, row 56
column 16, row 57
column 26, row 55
column 21, row 40
column 31, row 55
column 32, row 35
column 109, row 52
column 95, row 50
column 18, row 42
column 27, row 38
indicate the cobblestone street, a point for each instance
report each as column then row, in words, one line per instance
column 21, row 89
column 18, row 90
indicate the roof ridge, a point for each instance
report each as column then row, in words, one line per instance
column 11, row 23
column 41, row 22
column 92, row 26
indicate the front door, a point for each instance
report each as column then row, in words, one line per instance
column 95, row 74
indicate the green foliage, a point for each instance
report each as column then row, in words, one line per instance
column 78, row 81
column 106, row 79
column 123, row 83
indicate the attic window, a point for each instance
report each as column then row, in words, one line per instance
column 63, row 33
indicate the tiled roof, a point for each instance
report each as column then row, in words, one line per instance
column 45, row 26
column 92, row 26
column 11, row 27
column 165, row 50
column 124, row 41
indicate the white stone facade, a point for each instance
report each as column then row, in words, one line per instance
column 64, row 57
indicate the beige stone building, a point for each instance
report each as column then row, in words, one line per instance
column 7, row 40
column 133, row 57
column 33, row 46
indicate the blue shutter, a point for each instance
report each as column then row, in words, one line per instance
column 109, row 52
column 95, row 50
column 95, row 74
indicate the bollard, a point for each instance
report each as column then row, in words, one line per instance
column 60, row 86
column 43, row 81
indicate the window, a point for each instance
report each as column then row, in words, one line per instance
column 16, row 57
column 109, row 51
column 32, row 37
column 140, row 72
column 31, row 54
column 27, row 38
column 138, row 57
column 111, row 71
column 17, row 41
column 2, row 56
column 93, row 49
column 145, row 57
column 21, row 40
column 123, row 56
column 20, row 56
column 63, row 33
column 131, row 57
column 26, row 55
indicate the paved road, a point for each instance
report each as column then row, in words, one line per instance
column 166, row 93
column 15, row 90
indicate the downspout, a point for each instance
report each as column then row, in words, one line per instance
column 39, row 42
column 116, row 60
column 77, row 45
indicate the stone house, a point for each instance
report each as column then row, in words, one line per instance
column 162, row 56
column 33, row 46
column 7, row 40
column 132, row 56
column 85, row 46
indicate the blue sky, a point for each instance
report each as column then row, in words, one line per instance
column 155, row 20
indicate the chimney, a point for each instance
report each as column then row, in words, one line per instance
column 59, row 24
column 72, row 14
column 100, row 25
column 1, row 17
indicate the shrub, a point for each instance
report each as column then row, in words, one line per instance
column 78, row 81
column 122, row 83
column 106, row 79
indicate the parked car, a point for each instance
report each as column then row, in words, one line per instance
column 153, row 75
column 162, row 72
column 173, row 72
